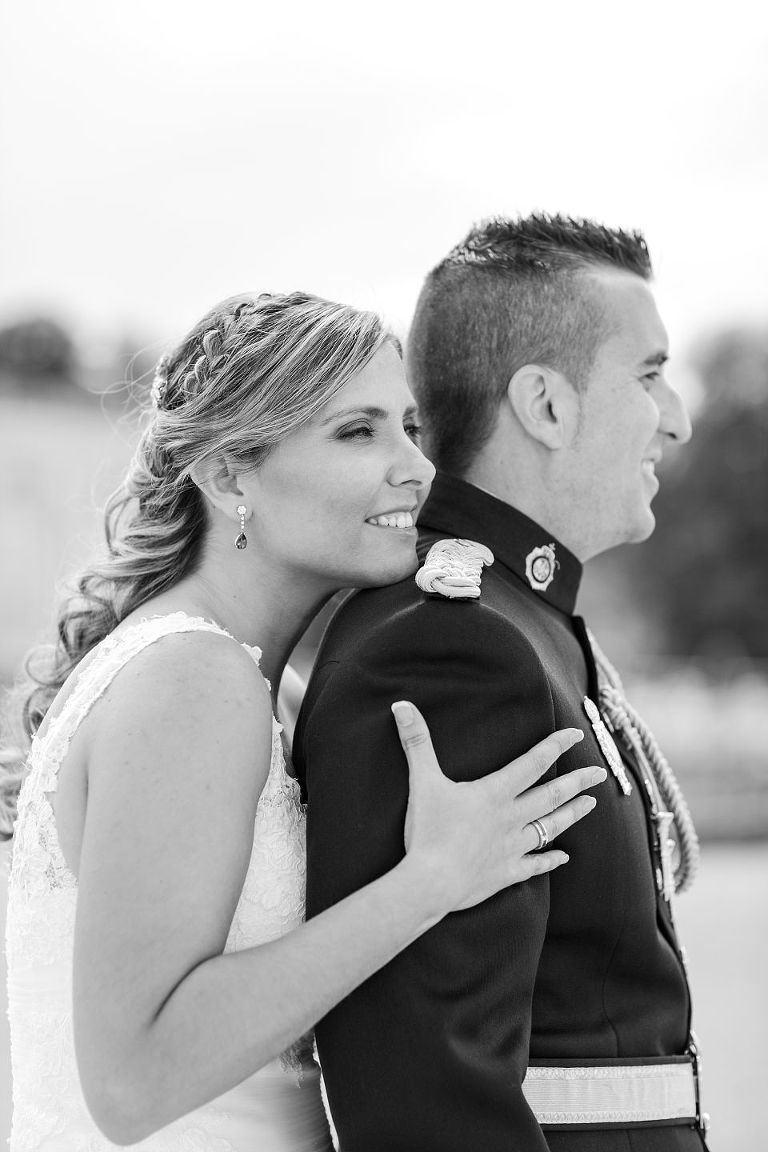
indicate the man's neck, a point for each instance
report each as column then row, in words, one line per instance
column 535, row 503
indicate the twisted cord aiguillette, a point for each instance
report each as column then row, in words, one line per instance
column 627, row 721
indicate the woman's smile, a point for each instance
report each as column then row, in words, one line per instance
column 399, row 519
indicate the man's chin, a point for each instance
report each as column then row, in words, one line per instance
column 642, row 528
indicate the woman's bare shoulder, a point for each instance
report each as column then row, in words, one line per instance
column 187, row 696
column 211, row 663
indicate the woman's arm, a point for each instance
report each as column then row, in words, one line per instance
column 178, row 752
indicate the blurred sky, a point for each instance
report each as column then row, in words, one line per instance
column 160, row 155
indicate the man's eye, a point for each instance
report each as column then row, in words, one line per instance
column 359, row 432
column 413, row 430
column 652, row 377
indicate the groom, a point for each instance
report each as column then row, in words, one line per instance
column 556, row 1015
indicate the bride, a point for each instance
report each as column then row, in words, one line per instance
column 162, row 983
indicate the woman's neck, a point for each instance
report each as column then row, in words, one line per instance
column 257, row 607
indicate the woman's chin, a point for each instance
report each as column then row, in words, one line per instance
column 388, row 570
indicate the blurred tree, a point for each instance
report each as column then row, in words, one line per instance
column 704, row 572
column 36, row 352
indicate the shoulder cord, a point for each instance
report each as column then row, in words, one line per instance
column 629, row 723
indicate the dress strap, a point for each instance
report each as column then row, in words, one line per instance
column 112, row 654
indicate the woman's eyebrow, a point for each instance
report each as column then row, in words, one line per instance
column 371, row 412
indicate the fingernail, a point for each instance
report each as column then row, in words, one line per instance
column 403, row 713
column 590, row 802
column 577, row 733
column 599, row 775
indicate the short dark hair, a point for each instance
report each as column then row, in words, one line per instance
column 513, row 292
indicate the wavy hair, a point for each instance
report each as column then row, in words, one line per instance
column 249, row 373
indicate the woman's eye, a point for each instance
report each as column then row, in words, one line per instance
column 360, row 432
column 651, row 377
column 413, row 430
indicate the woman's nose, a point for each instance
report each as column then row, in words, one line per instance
column 412, row 468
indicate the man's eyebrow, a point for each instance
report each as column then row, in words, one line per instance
column 371, row 412
column 657, row 358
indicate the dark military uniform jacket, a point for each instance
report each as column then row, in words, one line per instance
column 429, row 1055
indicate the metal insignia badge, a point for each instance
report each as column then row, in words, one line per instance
column 666, row 882
column 609, row 749
column 540, row 566
column 454, row 569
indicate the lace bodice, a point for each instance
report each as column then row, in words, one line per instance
column 278, row 1109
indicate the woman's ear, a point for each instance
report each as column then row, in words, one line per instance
column 220, row 485
column 545, row 403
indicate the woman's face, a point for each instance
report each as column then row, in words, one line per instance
column 336, row 501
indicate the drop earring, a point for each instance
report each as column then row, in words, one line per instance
column 242, row 540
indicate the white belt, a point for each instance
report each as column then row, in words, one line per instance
column 611, row 1093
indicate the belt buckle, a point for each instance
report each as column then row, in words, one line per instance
column 702, row 1118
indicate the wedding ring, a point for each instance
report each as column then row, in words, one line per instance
column 542, row 834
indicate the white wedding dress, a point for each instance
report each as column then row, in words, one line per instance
column 279, row 1108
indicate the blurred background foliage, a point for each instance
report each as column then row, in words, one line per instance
column 36, row 352
column 704, row 572
column 683, row 615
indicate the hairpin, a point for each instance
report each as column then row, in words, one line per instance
column 160, row 381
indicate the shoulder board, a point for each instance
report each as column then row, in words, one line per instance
column 454, row 569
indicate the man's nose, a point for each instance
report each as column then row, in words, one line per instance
column 675, row 421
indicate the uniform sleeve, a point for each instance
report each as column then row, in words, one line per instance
column 430, row 1052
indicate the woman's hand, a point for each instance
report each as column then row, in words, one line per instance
column 469, row 840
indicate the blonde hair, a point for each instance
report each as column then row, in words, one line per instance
column 252, row 371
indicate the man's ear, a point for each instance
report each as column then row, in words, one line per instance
column 545, row 403
column 220, row 485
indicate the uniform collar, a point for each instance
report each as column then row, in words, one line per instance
column 461, row 509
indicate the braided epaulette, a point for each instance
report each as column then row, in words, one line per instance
column 454, row 569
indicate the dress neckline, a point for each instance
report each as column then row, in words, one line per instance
column 180, row 613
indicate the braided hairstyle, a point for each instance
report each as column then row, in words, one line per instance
column 252, row 371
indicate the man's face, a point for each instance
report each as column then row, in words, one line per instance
column 628, row 413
